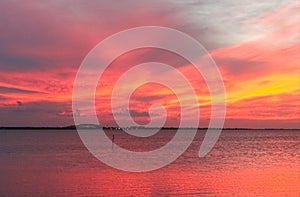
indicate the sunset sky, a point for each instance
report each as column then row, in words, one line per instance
column 255, row 45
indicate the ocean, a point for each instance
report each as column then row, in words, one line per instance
column 242, row 163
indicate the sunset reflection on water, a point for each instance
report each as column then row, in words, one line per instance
column 243, row 163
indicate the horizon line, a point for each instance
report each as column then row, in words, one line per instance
column 134, row 127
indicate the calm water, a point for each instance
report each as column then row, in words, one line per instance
column 243, row 163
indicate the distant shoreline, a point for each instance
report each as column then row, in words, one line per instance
column 72, row 127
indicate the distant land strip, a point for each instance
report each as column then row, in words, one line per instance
column 92, row 126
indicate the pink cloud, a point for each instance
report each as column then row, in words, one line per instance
column 43, row 44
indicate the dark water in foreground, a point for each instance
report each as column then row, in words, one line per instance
column 243, row 163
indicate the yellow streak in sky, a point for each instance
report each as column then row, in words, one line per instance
column 269, row 85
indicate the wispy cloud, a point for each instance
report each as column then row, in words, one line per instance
column 255, row 45
column 9, row 90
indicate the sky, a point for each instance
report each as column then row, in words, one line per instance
column 255, row 45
